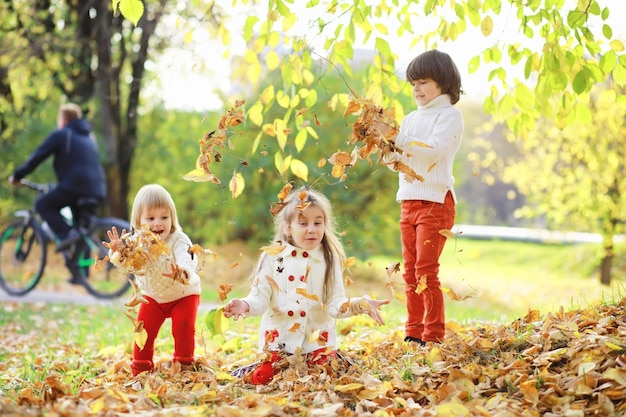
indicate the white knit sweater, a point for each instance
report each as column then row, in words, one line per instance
column 164, row 289
column 438, row 125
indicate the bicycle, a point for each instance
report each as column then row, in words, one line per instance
column 24, row 250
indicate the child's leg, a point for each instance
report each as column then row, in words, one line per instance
column 184, row 314
column 414, row 326
column 264, row 373
column 422, row 244
column 153, row 317
column 435, row 217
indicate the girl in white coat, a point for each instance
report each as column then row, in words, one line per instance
column 298, row 287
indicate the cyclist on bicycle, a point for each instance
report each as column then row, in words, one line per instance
column 78, row 170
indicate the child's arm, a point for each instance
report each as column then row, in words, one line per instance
column 184, row 265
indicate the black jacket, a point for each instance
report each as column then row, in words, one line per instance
column 76, row 160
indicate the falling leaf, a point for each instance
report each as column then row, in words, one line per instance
column 447, row 233
column 392, row 269
column 294, row 328
column 454, row 295
column 421, row 284
column 136, row 297
column 284, row 192
column 351, row 261
column 236, row 184
column 274, row 249
column 223, row 291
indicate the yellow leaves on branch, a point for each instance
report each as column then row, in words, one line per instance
column 210, row 145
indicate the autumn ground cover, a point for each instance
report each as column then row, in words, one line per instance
column 529, row 335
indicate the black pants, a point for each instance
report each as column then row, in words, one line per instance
column 49, row 206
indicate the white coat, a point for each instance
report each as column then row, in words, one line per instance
column 288, row 290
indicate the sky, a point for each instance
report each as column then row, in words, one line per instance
column 188, row 77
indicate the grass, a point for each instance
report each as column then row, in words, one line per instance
column 502, row 280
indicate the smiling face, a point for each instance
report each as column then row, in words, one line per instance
column 158, row 219
column 306, row 229
column 425, row 91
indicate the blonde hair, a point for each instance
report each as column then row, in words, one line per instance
column 70, row 111
column 331, row 244
column 153, row 196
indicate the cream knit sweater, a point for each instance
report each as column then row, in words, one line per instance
column 164, row 289
column 439, row 126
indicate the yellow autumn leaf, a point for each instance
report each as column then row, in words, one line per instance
column 452, row 410
column 420, row 144
column 447, row 233
column 314, row 336
column 422, row 284
column 294, row 328
column 198, row 175
column 305, row 294
column 351, row 261
column 400, row 296
column 348, row 387
column 140, row 337
column 224, row 376
column 236, row 184
column 299, row 169
column 370, row 393
column 273, row 250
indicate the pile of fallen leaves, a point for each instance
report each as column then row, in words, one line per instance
column 565, row 364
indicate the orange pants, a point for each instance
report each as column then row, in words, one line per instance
column 422, row 244
column 264, row 373
column 183, row 313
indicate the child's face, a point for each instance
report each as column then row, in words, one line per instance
column 306, row 229
column 158, row 219
column 425, row 90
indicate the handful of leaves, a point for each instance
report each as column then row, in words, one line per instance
column 376, row 130
column 136, row 251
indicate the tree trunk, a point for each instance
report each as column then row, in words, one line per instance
column 607, row 261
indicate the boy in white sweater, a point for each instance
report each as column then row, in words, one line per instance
column 429, row 139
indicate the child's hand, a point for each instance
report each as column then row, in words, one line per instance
column 114, row 239
column 178, row 274
column 373, row 310
column 236, row 308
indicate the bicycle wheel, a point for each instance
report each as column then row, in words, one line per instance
column 101, row 280
column 22, row 257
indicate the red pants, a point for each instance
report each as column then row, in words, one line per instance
column 183, row 313
column 264, row 373
column 422, row 244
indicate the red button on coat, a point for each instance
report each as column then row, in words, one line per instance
column 305, row 254
column 294, row 252
column 291, row 278
column 290, row 313
column 302, row 278
column 302, row 313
